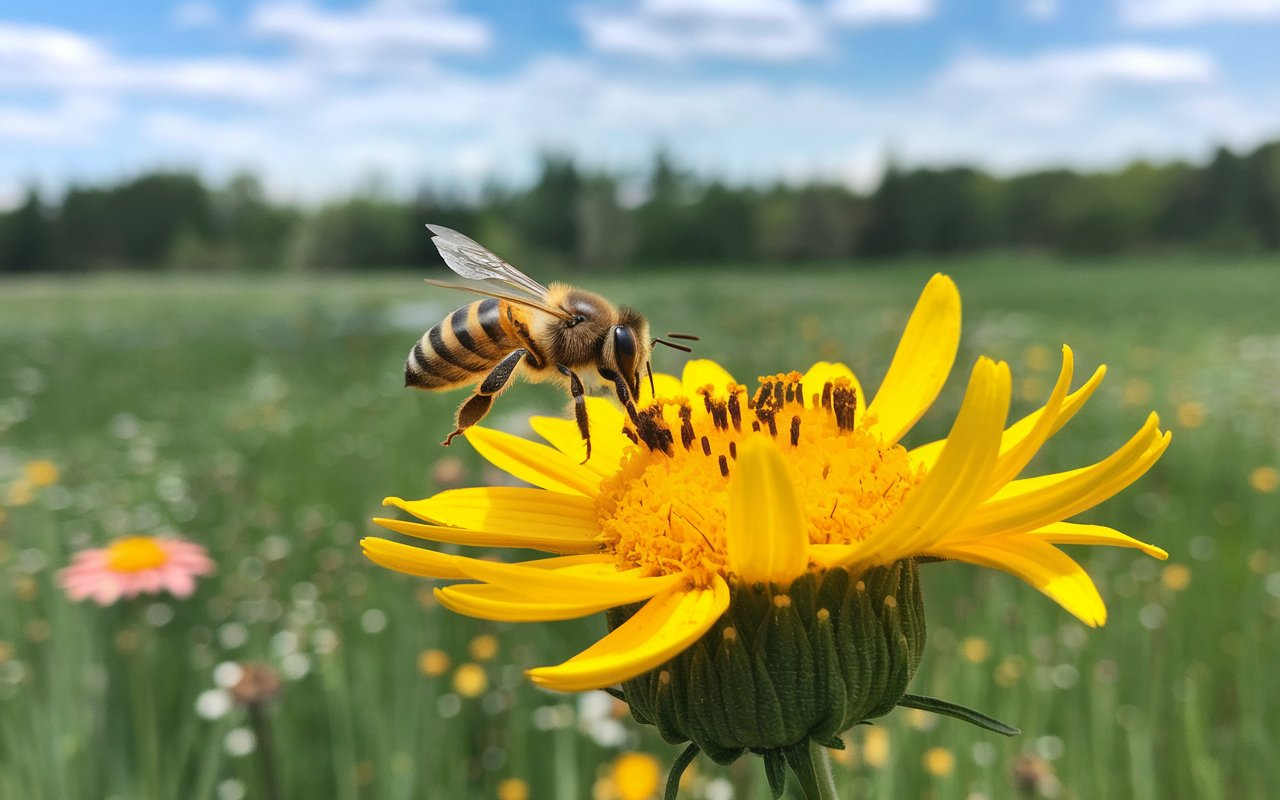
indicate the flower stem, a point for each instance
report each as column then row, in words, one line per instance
column 266, row 751
column 812, row 768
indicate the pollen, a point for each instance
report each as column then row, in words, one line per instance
column 666, row 508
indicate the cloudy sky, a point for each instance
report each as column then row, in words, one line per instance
column 319, row 95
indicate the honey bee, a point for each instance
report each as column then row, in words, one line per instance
column 560, row 333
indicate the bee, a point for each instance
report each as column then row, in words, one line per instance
column 559, row 333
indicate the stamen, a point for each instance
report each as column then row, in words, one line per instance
column 733, row 450
column 773, row 426
column 826, row 395
column 630, row 434
column 735, row 411
column 724, row 466
column 706, row 446
column 755, row 426
column 795, row 430
column 719, row 415
column 844, row 401
column 686, row 426
column 653, row 431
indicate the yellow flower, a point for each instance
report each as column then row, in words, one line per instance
column 513, row 789
column 713, row 510
column 636, row 776
column 939, row 762
column 42, row 472
column 1264, row 479
column 433, row 663
column 875, row 748
column 483, row 647
column 975, row 649
column 470, row 680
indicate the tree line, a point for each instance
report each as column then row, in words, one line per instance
column 585, row 219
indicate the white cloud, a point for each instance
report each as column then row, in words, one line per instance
column 75, row 120
column 1066, row 72
column 38, row 46
column 747, row 30
column 1179, row 13
column 377, row 29
column 874, row 12
column 197, row 14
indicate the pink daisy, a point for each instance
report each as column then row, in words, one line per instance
column 135, row 565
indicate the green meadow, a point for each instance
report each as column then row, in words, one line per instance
column 266, row 419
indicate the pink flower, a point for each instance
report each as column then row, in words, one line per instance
column 135, row 565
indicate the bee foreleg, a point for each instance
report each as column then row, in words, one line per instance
column 624, row 394
column 478, row 404
column 579, row 406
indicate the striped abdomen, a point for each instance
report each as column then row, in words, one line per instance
column 462, row 348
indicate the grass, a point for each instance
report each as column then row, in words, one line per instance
column 265, row 418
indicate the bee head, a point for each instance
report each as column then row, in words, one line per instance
column 627, row 346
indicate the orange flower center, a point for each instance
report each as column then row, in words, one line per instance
column 666, row 507
column 135, row 554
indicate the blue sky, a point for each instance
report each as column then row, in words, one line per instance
column 320, row 98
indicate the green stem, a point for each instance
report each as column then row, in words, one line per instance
column 266, row 751
column 812, row 768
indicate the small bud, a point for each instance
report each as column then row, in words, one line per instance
column 259, row 684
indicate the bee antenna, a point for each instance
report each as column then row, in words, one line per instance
column 688, row 336
column 673, row 345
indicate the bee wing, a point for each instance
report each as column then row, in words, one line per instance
column 469, row 259
column 528, row 302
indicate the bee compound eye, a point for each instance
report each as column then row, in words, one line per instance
column 625, row 340
column 624, row 343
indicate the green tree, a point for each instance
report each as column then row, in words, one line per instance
column 25, row 237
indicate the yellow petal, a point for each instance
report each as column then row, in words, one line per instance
column 565, row 541
column 957, row 482
column 533, row 512
column 922, row 361
column 927, row 454
column 1032, row 502
column 607, row 441
column 534, row 463
column 702, row 371
column 411, row 560
column 1076, row 533
column 1040, row 564
column 485, row 601
column 664, row 385
column 767, row 535
column 822, row 372
column 1023, row 439
column 428, row 563
column 565, row 586
column 664, row 627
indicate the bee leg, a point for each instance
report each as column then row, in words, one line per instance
column 579, row 406
column 477, row 405
column 624, row 394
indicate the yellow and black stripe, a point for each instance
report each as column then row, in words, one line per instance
column 461, row 348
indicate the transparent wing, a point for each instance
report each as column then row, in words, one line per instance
column 469, row 259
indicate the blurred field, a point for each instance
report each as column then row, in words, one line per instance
column 266, row 419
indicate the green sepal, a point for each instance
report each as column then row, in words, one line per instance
column 775, row 769
column 959, row 712
column 678, row 767
column 833, row 743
